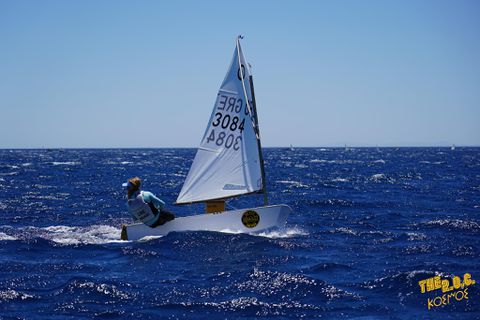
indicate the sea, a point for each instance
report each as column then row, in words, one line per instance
column 375, row 233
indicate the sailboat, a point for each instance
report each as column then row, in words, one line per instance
column 229, row 163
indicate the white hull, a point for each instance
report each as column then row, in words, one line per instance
column 250, row 220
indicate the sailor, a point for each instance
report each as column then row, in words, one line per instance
column 144, row 205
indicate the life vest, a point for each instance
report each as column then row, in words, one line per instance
column 141, row 210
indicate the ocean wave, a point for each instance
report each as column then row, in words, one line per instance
column 65, row 163
column 283, row 233
column 432, row 162
column 8, row 295
column 318, row 161
column 273, row 283
column 403, row 282
column 290, row 286
column 86, row 287
column 371, row 233
column 421, row 248
column 345, row 231
column 5, row 237
column 255, row 305
column 456, row 224
column 149, row 238
column 65, row 235
column 330, row 202
column 301, row 166
column 181, row 175
column 292, row 183
column 98, row 234
column 327, row 266
column 13, row 173
column 413, row 236
column 269, row 281
column 379, row 161
column 272, row 234
column 465, row 251
column 336, row 161
column 378, row 177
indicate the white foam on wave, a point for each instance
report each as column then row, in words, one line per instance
column 339, row 180
column 96, row 234
column 414, row 236
column 231, row 231
column 378, row 176
column 283, row 233
column 66, row 163
column 345, row 230
column 273, row 234
column 301, row 166
column 13, row 295
column 318, row 161
column 456, row 223
column 5, row 237
column 66, row 235
column 339, row 161
column 14, row 173
column 434, row 162
column 379, row 161
column 149, row 238
column 292, row 183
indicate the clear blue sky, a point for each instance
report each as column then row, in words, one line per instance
column 327, row 73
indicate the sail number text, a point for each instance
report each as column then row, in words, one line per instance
column 223, row 139
column 228, row 122
column 232, row 104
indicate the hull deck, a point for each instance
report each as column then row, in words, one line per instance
column 250, row 220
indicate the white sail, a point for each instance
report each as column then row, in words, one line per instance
column 227, row 162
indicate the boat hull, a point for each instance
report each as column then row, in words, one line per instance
column 250, row 220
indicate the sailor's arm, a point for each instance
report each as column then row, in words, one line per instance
column 150, row 197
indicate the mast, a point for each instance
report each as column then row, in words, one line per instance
column 259, row 144
column 253, row 111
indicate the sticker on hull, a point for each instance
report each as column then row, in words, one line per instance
column 250, row 219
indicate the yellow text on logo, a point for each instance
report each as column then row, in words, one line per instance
column 436, row 283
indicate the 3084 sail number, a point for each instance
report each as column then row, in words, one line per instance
column 227, row 126
column 228, row 121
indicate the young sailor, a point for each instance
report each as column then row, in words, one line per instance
column 144, row 205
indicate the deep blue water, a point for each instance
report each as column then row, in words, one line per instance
column 367, row 225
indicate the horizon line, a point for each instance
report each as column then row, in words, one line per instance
column 263, row 147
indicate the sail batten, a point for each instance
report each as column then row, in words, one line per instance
column 228, row 160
